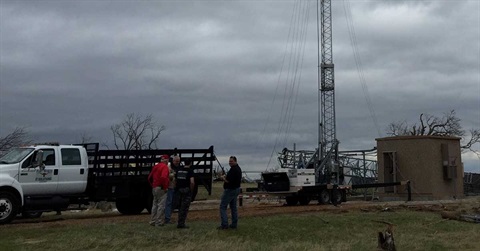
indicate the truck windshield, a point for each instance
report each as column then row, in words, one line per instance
column 15, row 155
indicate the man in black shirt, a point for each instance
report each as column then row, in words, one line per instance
column 231, row 190
column 185, row 183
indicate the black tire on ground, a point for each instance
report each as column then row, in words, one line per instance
column 324, row 197
column 31, row 215
column 149, row 203
column 9, row 206
column 291, row 200
column 304, row 200
column 344, row 196
column 336, row 197
column 130, row 206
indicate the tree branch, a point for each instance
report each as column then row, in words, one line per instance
column 137, row 132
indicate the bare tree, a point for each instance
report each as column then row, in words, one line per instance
column 85, row 138
column 447, row 125
column 18, row 137
column 136, row 132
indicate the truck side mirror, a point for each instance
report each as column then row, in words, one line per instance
column 39, row 159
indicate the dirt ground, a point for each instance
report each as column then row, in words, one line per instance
column 208, row 210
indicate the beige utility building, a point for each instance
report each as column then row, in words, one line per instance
column 433, row 165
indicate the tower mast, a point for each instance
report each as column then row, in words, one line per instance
column 327, row 139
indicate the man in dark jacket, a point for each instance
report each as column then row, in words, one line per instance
column 185, row 183
column 231, row 189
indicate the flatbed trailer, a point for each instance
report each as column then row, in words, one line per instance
column 121, row 175
column 277, row 185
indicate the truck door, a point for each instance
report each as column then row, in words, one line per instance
column 72, row 173
column 36, row 181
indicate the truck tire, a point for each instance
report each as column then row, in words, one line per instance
column 129, row 206
column 324, row 197
column 31, row 215
column 291, row 200
column 149, row 203
column 344, row 196
column 336, row 197
column 9, row 206
column 304, row 200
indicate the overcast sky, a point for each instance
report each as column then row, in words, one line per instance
column 215, row 72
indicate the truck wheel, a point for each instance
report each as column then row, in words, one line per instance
column 336, row 197
column 9, row 207
column 344, row 196
column 129, row 206
column 149, row 203
column 291, row 200
column 324, row 197
column 304, row 200
column 31, row 215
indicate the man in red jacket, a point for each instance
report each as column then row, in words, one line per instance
column 159, row 180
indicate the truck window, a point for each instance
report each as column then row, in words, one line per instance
column 48, row 157
column 15, row 155
column 71, row 156
column 29, row 161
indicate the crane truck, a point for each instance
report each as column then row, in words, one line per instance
column 307, row 175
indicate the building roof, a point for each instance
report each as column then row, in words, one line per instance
column 412, row 137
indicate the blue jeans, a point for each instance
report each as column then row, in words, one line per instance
column 229, row 197
column 169, row 204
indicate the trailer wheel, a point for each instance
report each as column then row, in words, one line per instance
column 9, row 207
column 324, row 197
column 149, row 203
column 336, row 197
column 292, row 200
column 344, row 196
column 129, row 206
column 304, row 200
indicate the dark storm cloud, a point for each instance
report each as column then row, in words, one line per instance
column 209, row 70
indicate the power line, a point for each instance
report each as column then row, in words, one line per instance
column 358, row 63
column 296, row 41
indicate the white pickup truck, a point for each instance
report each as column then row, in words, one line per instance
column 53, row 177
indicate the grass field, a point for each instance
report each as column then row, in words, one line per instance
column 325, row 230
column 309, row 231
